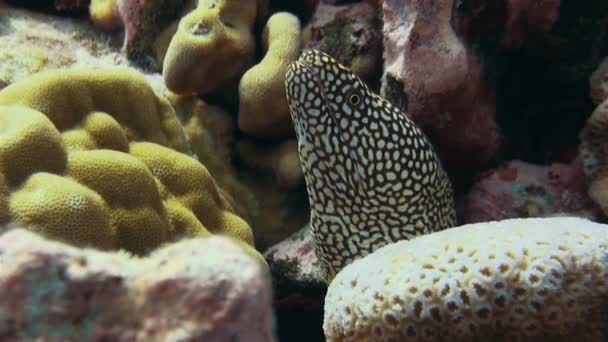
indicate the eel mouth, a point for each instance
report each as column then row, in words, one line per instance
column 305, row 63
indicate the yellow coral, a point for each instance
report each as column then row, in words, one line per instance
column 67, row 96
column 189, row 182
column 69, row 167
column 212, row 47
column 28, row 143
column 126, row 184
column 104, row 14
column 263, row 109
column 64, row 210
column 210, row 133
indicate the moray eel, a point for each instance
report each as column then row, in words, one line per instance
column 372, row 176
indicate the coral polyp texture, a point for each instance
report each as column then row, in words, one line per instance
column 82, row 161
column 512, row 280
column 67, row 97
column 212, row 47
column 372, row 176
column 263, row 109
column 199, row 289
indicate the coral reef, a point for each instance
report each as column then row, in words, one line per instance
column 82, row 125
column 66, row 97
column 144, row 21
column 520, row 189
column 299, row 287
column 351, row 33
column 598, row 83
column 263, row 110
column 525, row 17
column 530, row 279
column 210, row 132
column 593, row 153
column 446, row 95
column 212, row 47
column 104, row 14
column 197, row 289
column 282, row 159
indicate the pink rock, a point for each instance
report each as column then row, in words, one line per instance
column 195, row 290
column 528, row 16
column 520, row 189
column 439, row 82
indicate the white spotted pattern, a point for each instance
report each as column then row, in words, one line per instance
column 372, row 176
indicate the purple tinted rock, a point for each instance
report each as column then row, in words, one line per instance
column 520, row 189
column 196, row 289
column 434, row 77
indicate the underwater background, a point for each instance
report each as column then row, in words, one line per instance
column 305, row 170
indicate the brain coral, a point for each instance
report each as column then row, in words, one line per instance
column 212, row 47
column 511, row 280
column 82, row 161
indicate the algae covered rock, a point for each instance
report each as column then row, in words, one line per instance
column 201, row 289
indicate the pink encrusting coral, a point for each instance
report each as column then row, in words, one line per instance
column 195, row 290
column 438, row 81
column 521, row 189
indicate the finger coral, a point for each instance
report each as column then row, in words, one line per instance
column 84, row 163
column 263, row 109
column 212, row 47
column 511, row 280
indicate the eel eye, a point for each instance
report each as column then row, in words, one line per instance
column 354, row 99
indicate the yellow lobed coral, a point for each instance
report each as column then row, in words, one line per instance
column 104, row 14
column 512, row 280
column 212, row 47
column 75, row 165
column 66, row 97
column 263, row 109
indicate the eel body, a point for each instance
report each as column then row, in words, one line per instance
column 372, row 176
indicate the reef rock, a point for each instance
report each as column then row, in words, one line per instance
column 350, row 33
column 299, row 287
column 520, row 189
column 434, row 77
column 204, row 289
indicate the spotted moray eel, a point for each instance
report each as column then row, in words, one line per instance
column 371, row 175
